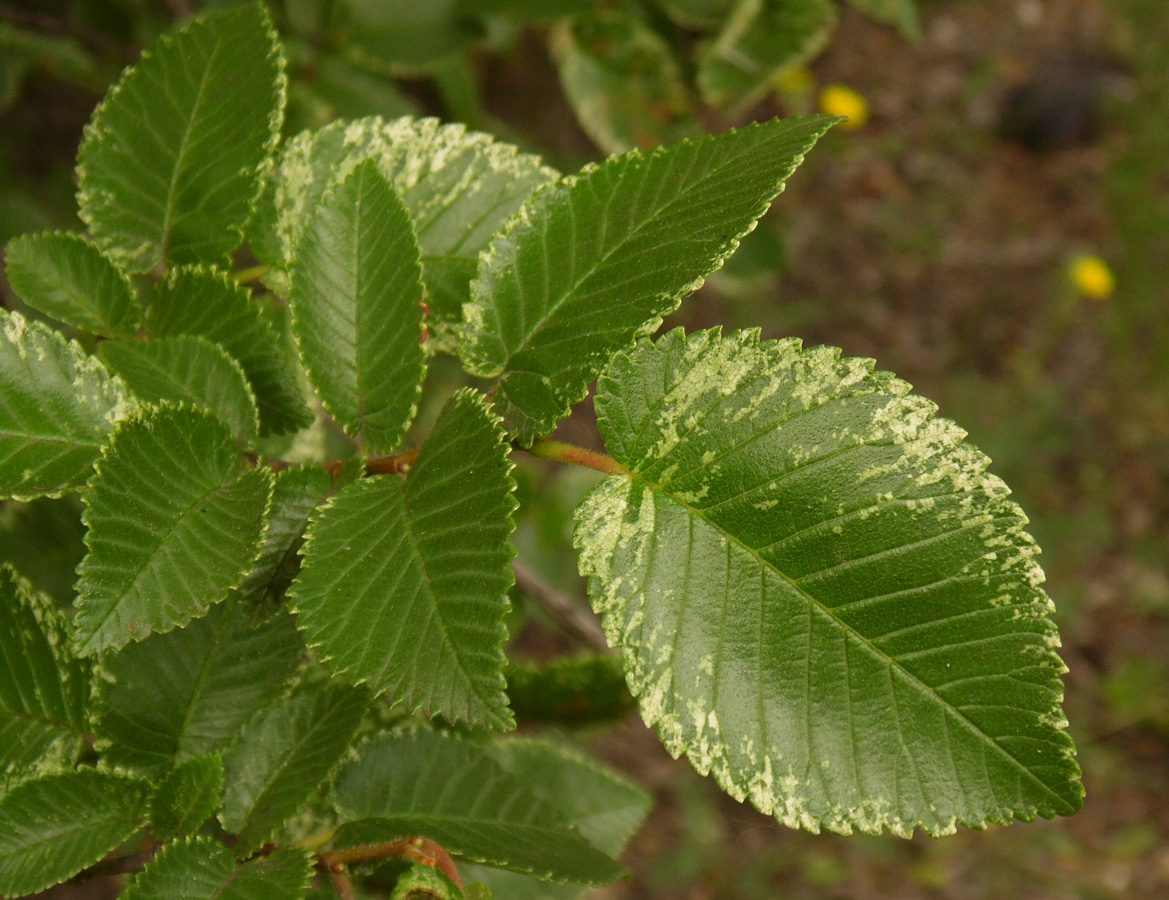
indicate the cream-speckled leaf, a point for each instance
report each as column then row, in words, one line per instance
column 759, row 40
column 459, row 187
column 184, row 694
column 821, row 595
column 204, row 301
column 171, row 162
column 44, row 688
column 403, row 585
column 188, row 368
column 204, row 869
column 57, row 407
column 65, row 276
column 595, row 260
column 357, row 309
column 175, row 519
column 53, row 827
column 453, row 792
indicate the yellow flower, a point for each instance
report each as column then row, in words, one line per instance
column 840, row 100
column 1092, row 277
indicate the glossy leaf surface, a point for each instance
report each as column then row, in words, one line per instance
column 171, row 161
column 175, row 519
column 404, row 584
column 599, row 258
column 821, row 595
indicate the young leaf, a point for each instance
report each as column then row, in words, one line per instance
column 598, row 259
column 357, row 309
column 298, row 492
column 421, row 882
column 438, row 786
column 65, row 276
column 180, row 695
column 204, row 869
column 170, row 164
column 820, row 594
column 758, row 41
column 207, row 302
column 606, row 809
column 43, row 687
column 175, row 519
column 187, row 797
column 283, row 756
column 187, row 368
column 404, row 585
column 458, row 186
column 53, row 827
column 57, row 406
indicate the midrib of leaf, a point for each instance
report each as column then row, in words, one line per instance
column 52, row 723
column 204, row 670
column 360, row 319
column 180, row 159
column 75, row 828
column 814, row 604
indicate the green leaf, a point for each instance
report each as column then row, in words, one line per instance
column 184, row 694
column 421, row 882
column 204, row 869
column 356, row 309
column 65, row 276
column 187, row 797
column 207, row 302
column 438, row 786
column 902, row 13
column 405, row 37
column 697, row 13
column 622, row 80
column 57, row 406
column 187, row 368
column 606, row 809
column 43, row 687
column 170, row 164
column 459, row 187
column 175, row 519
column 570, row 690
column 351, row 91
column 759, row 41
column 283, row 757
column 298, row 492
column 404, row 585
column 44, row 541
column 598, row 259
column 821, row 595
column 53, row 827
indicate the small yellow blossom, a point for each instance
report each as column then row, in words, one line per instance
column 1092, row 277
column 840, row 100
column 796, row 80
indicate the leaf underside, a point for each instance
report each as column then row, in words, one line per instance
column 598, row 259
column 404, row 585
column 170, row 164
column 821, row 595
column 439, row 786
column 175, row 520
column 57, row 407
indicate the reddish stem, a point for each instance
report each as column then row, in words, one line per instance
column 577, row 455
column 417, row 849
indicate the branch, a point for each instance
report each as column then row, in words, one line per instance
column 561, row 608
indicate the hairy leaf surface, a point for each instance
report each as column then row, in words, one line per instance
column 283, row 756
column 459, row 187
column 758, row 41
column 357, row 309
column 57, row 407
column 204, row 869
column 821, row 595
column 404, row 585
column 187, row 368
column 43, row 687
column 441, row 787
column 180, row 695
column 606, row 809
column 170, row 164
column 53, row 827
column 65, row 276
column 598, row 259
column 187, row 797
column 175, row 519
column 206, row 302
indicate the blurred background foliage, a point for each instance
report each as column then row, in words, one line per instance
column 994, row 228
